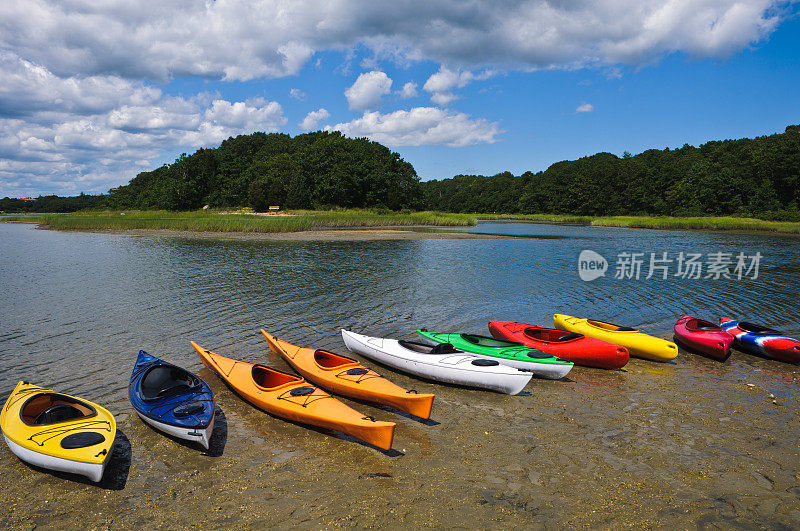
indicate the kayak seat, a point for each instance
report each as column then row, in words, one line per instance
column 58, row 413
column 44, row 409
column 174, row 390
column 162, row 381
column 443, row 348
column 570, row 336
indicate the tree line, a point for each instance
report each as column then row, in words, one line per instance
column 53, row 203
column 314, row 170
column 748, row 177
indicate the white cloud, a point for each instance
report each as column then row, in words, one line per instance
column 443, row 98
column 248, row 39
column 312, row 119
column 445, row 80
column 367, row 90
column 421, row 126
column 89, row 134
column 584, row 107
column 409, row 90
column 78, row 107
column 27, row 88
column 297, row 94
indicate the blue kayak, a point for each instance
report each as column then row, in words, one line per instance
column 172, row 399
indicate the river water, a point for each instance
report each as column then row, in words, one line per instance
column 694, row 442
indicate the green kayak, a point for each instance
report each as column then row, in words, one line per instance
column 506, row 352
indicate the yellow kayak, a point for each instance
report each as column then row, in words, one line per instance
column 57, row 431
column 638, row 344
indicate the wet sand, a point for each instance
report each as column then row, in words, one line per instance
column 692, row 444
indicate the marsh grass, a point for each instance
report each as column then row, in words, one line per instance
column 204, row 221
column 20, row 219
column 698, row 223
column 660, row 222
column 539, row 218
column 301, row 220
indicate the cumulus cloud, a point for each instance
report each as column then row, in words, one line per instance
column 88, row 134
column 78, row 102
column 312, row 119
column 584, row 107
column 421, row 126
column 249, row 39
column 445, row 80
column 367, row 91
column 297, row 94
column 409, row 90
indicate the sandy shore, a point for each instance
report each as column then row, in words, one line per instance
column 695, row 444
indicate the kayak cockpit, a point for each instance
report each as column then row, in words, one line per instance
column 422, row 348
column 609, row 326
column 551, row 336
column 267, row 378
column 756, row 329
column 162, row 381
column 701, row 326
column 50, row 408
column 485, row 341
column 329, row 360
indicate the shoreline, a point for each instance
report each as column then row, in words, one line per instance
column 275, row 227
column 365, row 234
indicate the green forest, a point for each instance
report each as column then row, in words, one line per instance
column 748, row 177
column 54, row 203
column 314, row 170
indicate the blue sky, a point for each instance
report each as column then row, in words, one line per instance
column 475, row 88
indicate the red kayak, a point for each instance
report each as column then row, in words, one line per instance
column 577, row 348
column 703, row 337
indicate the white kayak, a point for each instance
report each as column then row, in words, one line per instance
column 441, row 363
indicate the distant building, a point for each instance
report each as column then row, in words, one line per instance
column 274, row 208
column 27, row 199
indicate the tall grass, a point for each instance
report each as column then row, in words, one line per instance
column 24, row 218
column 658, row 222
column 216, row 221
column 203, row 221
column 539, row 218
column 698, row 223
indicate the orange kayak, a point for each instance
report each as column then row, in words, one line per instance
column 348, row 377
column 292, row 398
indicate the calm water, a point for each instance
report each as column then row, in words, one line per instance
column 694, row 443
column 76, row 307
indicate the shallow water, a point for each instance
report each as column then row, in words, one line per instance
column 682, row 444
